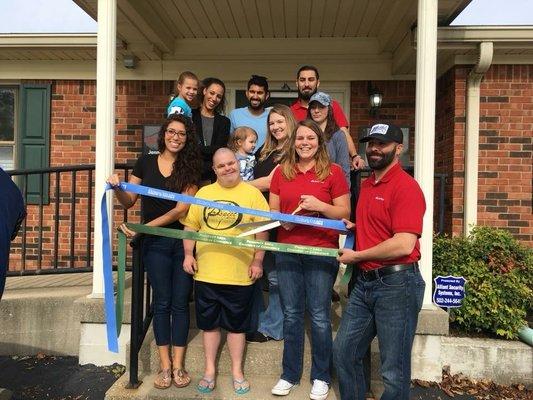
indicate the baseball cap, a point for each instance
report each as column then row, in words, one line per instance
column 322, row 98
column 384, row 132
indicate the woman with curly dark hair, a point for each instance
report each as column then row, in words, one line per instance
column 177, row 168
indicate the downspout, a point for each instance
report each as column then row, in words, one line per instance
column 472, row 135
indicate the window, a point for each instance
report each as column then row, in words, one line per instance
column 8, row 118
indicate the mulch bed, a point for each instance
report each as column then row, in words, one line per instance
column 457, row 386
column 55, row 378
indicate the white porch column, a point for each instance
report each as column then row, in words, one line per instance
column 426, row 74
column 105, row 126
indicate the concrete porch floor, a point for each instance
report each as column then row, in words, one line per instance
column 42, row 313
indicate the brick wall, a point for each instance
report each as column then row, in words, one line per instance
column 73, row 122
column 505, row 147
column 506, row 150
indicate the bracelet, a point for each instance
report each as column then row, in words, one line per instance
column 357, row 155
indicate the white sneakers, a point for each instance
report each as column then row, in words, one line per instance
column 282, row 388
column 319, row 391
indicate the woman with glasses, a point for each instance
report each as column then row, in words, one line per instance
column 176, row 168
column 211, row 126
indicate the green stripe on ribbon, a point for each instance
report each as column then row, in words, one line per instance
column 233, row 241
column 210, row 238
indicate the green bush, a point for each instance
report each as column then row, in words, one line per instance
column 499, row 274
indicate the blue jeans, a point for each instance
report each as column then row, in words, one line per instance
column 171, row 287
column 305, row 282
column 271, row 320
column 386, row 307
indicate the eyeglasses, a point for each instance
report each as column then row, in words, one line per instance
column 172, row 132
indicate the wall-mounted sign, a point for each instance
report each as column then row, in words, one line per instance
column 449, row 291
column 150, row 135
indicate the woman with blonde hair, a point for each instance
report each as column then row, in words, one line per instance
column 280, row 126
column 307, row 180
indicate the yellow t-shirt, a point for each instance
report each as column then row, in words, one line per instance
column 219, row 263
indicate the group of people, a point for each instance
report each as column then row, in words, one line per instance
column 295, row 160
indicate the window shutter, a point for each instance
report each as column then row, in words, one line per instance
column 34, row 138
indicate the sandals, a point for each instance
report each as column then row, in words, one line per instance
column 241, row 386
column 206, row 385
column 163, row 379
column 180, row 378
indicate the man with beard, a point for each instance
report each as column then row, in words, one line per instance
column 388, row 290
column 307, row 81
column 255, row 114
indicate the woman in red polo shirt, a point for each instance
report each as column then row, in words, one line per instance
column 308, row 181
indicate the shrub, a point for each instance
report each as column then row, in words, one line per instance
column 499, row 274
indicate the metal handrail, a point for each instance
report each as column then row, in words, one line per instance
column 141, row 317
column 72, row 197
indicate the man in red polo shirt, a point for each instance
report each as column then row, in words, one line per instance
column 307, row 82
column 388, row 291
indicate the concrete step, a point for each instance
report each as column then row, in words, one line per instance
column 259, row 358
column 260, row 390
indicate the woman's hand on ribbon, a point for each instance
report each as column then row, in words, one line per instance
column 189, row 265
column 128, row 232
column 255, row 270
column 350, row 226
column 311, row 203
column 114, row 181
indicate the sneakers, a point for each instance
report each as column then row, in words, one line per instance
column 320, row 390
column 282, row 388
column 256, row 337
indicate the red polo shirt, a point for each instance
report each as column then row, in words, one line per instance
column 300, row 113
column 392, row 205
column 289, row 193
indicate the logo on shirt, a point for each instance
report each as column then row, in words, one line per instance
column 379, row 198
column 221, row 220
column 176, row 110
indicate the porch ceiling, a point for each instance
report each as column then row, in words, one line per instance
column 156, row 27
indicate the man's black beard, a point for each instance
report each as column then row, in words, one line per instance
column 306, row 96
column 384, row 162
column 260, row 106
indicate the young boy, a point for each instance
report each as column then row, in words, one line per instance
column 187, row 89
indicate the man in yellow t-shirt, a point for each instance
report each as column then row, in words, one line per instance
column 224, row 274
